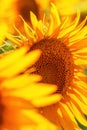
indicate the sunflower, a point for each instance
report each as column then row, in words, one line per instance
column 23, row 7
column 20, row 93
column 62, row 62
column 15, row 8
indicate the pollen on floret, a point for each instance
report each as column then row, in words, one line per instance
column 55, row 64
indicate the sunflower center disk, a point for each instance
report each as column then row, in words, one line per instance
column 55, row 64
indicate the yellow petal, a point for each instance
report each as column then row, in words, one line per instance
column 32, row 91
column 70, row 123
column 29, row 31
column 22, row 37
column 82, row 84
column 82, row 106
column 42, row 122
column 80, row 35
column 51, row 26
column 79, row 45
column 40, row 26
column 25, row 62
column 13, row 39
column 78, row 115
column 71, row 27
column 3, row 32
column 20, row 81
column 54, row 11
column 80, row 74
column 48, row 100
column 69, row 113
column 81, row 51
column 81, row 95
column 64, row 23
column 29, row 127
column 34, row 20
column 64, row 123
column 12, row 58
column 79, row 27
column 80, row 62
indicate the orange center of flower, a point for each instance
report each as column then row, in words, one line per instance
column 55, row 64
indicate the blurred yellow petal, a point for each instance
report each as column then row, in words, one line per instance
column 32, row 91
column 12, row 58
column 26, row 61
column 79, row 27
column 45, row 101
column 81, row 34
column 71, row 27
column 51, row 26
column 10, row 37
column 3, row 32
column 55, row 14
column 20, row 81
column 29, row 31
column 40, row 120
column 33, row 20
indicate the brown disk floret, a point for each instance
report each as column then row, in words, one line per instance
column 55, row 64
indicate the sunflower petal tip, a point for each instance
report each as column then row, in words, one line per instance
column 31, row 13
column 86, row 18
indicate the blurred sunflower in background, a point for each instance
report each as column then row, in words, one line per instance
column 62, row 62
column 9, row 16
column 66, row 7
column 14, row 8
column 9, row 13
column 23, row 8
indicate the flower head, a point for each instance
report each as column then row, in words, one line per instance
column 63, row 58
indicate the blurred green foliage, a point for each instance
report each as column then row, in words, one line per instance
column 7, row 46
